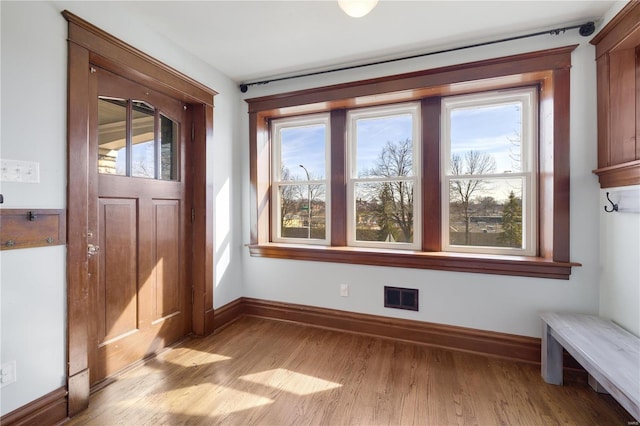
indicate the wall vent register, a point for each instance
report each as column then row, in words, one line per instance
column 401, row 298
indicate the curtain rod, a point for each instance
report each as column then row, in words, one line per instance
column 586, row 30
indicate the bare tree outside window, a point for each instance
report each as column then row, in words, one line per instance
column 462, row 190
column 288, row 200
column 393, row 199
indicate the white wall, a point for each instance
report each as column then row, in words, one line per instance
column 33, row 128
column 620, row 263
column 487, row 302
column 33, row 117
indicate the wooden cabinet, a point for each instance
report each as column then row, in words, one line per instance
column 618, row 68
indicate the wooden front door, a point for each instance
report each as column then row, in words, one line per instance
column 139, row 223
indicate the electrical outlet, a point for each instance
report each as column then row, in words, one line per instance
column 344, row 290
column 7, row 373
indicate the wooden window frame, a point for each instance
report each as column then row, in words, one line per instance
column 549, row 69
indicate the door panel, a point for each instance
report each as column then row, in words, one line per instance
column 167, row 258
column 117, row 294
column 139, row 291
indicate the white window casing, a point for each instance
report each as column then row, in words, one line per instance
column 389, row 111
column 277, row 182
column 527, row 98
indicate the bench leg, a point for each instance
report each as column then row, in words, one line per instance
column 551, row 357
column 596, row 386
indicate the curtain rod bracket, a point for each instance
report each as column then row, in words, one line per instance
column 587, row 29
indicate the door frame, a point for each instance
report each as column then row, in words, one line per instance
column 89, row 45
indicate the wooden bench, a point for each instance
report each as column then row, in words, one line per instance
column 610, row 354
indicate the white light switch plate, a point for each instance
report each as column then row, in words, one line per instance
column 19, row 171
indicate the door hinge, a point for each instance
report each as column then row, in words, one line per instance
column 193, row 214
column 193, row 296
column 193, row 131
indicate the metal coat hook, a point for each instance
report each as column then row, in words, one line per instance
column 614, row 206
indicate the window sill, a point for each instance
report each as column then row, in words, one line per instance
column 522, row 266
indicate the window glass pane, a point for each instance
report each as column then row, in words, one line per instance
column 384, row 211
column 384, row 146
column 143, row 158
column 486, row 212
column 492, row 133
column 302, row 152
column 303, row 211
column 112, row 136
column 169, row 131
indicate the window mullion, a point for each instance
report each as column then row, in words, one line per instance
column 431, row 202
column 337, row 178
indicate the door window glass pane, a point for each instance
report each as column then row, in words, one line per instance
column 143, row 158
column 112, row 136
column 169, row 131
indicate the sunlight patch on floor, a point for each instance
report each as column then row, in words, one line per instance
column 186, row 357
column 228, row 400
column 291, row 381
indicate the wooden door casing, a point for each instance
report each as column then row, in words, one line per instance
column 87, row 45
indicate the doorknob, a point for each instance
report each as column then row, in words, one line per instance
column 91, row 249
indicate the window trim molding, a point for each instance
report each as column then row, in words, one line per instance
column 548, row 68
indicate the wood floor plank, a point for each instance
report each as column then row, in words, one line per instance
column 266, row 372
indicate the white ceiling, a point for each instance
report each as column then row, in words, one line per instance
column 255, row 40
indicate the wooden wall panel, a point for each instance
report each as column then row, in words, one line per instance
column 622, row 147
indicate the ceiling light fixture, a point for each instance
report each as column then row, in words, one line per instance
column 357, row 8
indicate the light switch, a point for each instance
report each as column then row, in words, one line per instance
column 19, row 171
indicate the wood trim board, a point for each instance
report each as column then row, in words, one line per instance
column 489, row 343
column 49, row 409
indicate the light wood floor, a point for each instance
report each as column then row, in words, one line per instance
column 264, row 372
